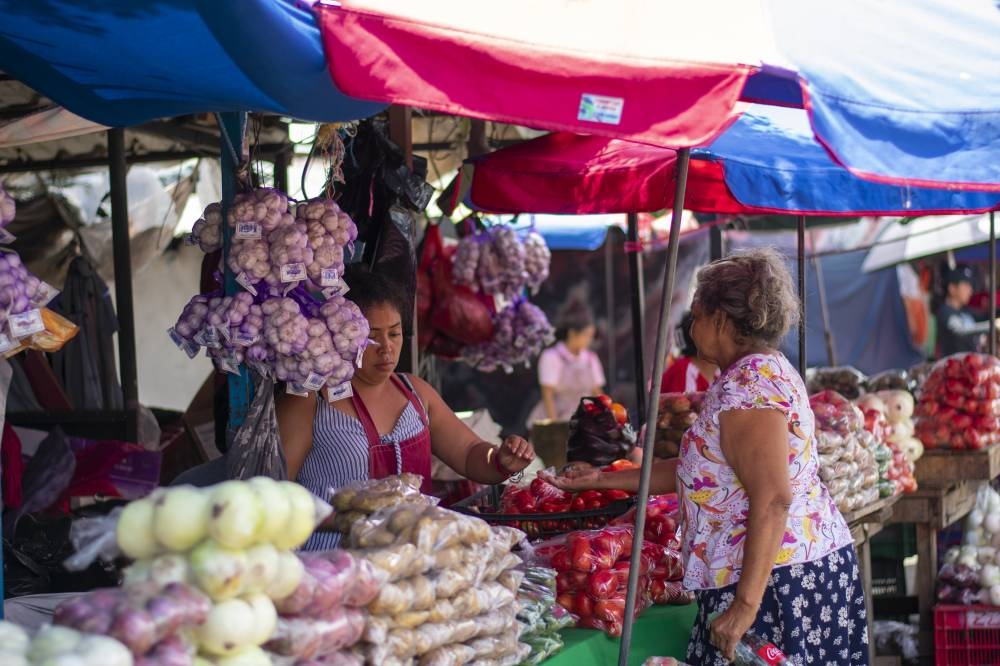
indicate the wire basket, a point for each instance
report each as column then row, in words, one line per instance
column 486, row 505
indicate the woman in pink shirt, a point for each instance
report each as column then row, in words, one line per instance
column 568, row 370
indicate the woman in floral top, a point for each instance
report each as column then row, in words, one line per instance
column 764, row 544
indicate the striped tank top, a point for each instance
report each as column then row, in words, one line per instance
column 339, row 454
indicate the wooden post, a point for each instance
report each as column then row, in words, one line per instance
column 401, row 134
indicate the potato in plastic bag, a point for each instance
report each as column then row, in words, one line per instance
column 492, row 647
column 373, row 495
column 512, row 579
column 455, row 654
column 398, row 561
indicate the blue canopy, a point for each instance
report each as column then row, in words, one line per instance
column 772, row 160
column 125, row 62
column 900, row 91
column 573, row 232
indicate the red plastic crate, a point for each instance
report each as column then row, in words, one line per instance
column 966, row 635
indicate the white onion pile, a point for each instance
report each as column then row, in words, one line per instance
column 521, row 331
column 207, row 231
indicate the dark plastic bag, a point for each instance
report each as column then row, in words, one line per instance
column 256, row 446
column 46, row 477
column 595, row 436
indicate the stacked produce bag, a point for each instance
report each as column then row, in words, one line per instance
column 450, row 595
column 593, row 568
column 57, row 646
column 209, row 566
column 888, row 417
column 540, row 616
column 970, row 573
column 291, row 320
column 845, row 380
column 678, row 412
column 960, row 403
column 847, row 451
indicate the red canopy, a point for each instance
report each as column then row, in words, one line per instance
column 572, row 174
column 627, row 70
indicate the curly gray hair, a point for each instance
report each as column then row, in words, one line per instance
column 754, row 290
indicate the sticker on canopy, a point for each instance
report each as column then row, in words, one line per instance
column 293, row 272
column 247, row 231
column 26, row 323
column 601, row 109
column 335, row 393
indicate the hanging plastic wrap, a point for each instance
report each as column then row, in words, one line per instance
column 256, row 447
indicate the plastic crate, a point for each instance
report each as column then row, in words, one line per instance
column 966, row 635
column 486, row 505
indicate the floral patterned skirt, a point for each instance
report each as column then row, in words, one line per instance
column 815, row 612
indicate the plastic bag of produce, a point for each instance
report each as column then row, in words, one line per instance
column 598, row 549
column 256, row 448
column 891, row 380
column 330, row 579
column 139, row 618
column 449, row 655
column 171, row 651
column 835, row 413
column 596, row 436
column 429, row 528
column 848, row 381
column 317, row 636
column 664, row 592
column 415, row 594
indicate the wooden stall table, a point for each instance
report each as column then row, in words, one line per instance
column 864, row 524
column 936, row 504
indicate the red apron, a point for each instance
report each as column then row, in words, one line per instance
column 412, row 455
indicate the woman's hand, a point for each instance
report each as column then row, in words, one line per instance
column 731, row 626
column 515, row 454
column 575, row 479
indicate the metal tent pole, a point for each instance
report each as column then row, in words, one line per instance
column 120, row 240
column 993, row 285
column 824, row 311
column 637, row 291
column 683, row 158
column 609, row 298
column 802, row 295
column 232, row 127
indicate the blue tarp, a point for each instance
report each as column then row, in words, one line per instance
column 772, row 160
column 573, row 232
column 125, row 62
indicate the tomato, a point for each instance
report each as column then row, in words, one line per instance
column 606, row 400
column 583, row 605
column 616, row 495
column 523, row 501
column 581, row 555
column 578, row 504
column 561, row 561
column 596, row 504
column 554, row 506
column 566, row 601
column 610, row 610
column 602, row 584
column 590, row 495
column 621, row 414
column 571, row 581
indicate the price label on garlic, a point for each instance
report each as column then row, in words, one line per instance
column 46, row 292
column 6, row 238
column 26, row 323
column 244, row 281
column 314, row 382
column 241, row 339
column 247, row 231
column 292, row 388
column 360, row 356
column 210, row 335
column 293, row 272
column 226, row 333
column 329, row 277
column 6, row 344
column 335, row 393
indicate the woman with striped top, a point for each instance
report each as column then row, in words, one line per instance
column 391, row 424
